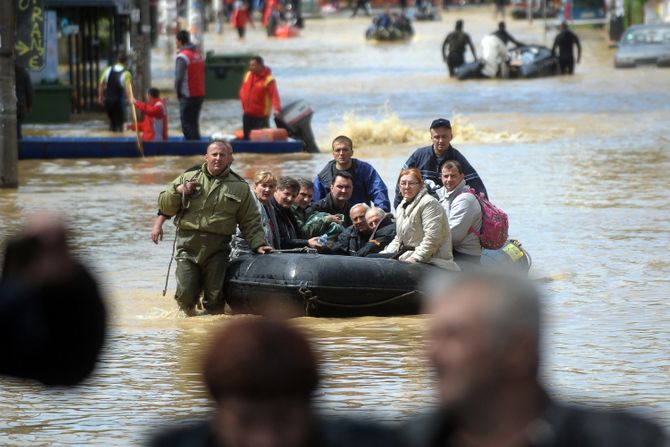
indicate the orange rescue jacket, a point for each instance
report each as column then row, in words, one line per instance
column 258, row 94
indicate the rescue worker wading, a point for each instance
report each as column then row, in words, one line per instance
column 189, row 83
column 208, row 204
column 259, row 95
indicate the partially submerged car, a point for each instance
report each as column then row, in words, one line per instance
column 644, row 45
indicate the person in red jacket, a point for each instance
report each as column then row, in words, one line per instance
column 240, row 18
column 259, row 95
column 154, row 126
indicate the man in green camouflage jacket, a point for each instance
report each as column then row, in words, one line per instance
column 208, row 204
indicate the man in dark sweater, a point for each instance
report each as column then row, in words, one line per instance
column 429, row 159
column 337, row 200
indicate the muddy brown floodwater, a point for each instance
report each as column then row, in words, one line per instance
column 580, row 163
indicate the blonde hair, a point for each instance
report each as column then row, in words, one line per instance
column 265, row 177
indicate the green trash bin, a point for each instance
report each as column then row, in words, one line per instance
column 52, row 103
column 224, row 74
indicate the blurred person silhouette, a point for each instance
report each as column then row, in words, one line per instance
column 565, row 41
column 454, row 46
column 483, row 342
column 52, row 314
column 24, row 96
column 262, row 375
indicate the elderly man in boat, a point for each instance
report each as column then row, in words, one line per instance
column 208, row 204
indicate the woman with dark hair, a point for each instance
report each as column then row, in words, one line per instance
column 422, row 229
column 262, row 375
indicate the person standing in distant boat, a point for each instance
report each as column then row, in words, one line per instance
column 112, row 90
column 154, row 126
column 258, row 94
column 565, row 41
column 456, row 42
column 189, row 83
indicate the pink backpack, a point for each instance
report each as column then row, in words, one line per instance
column 493, row 234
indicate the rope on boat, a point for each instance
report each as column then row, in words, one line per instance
column 311, row 300
column 307, row 250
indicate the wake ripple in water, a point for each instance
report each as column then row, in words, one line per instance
column 387, row 128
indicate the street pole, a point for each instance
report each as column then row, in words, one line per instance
column 141, row 45
column 9, row 164
column 196, row 23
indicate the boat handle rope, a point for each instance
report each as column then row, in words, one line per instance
column 311, row 300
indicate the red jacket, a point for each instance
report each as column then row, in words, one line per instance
column 240, row 18
column 190, row 82
column 258, row 94
column 154, row 126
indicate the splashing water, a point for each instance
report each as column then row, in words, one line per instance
column 389, row 129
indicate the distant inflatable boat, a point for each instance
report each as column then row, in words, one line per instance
column 338, row 286
column 528, row 61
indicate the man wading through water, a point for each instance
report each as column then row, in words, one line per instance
column 208, row 204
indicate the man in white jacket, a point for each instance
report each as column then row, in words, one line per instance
column 463, row 212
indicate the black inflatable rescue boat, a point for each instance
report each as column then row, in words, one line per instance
column 528, row 61
column 299, row 284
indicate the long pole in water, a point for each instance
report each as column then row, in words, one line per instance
column 138, row 140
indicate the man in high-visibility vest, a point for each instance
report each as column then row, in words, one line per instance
column 112, row 88
column 259, row 95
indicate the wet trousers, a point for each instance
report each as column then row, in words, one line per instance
column 202, row 260
column 566, row 64
column 189, row 112
column 115, row 113
column 250, row 123
column 454, row 60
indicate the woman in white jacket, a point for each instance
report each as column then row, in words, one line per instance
column 422, row 229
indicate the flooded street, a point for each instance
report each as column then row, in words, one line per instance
column 580, row 164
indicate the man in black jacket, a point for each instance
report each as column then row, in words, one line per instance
column 429, row 159
column 337, row 200
column 288, row 228
column 356, row 236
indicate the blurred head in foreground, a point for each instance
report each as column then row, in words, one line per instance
column 53, row 317
column 262, row 375
column 484, row 337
